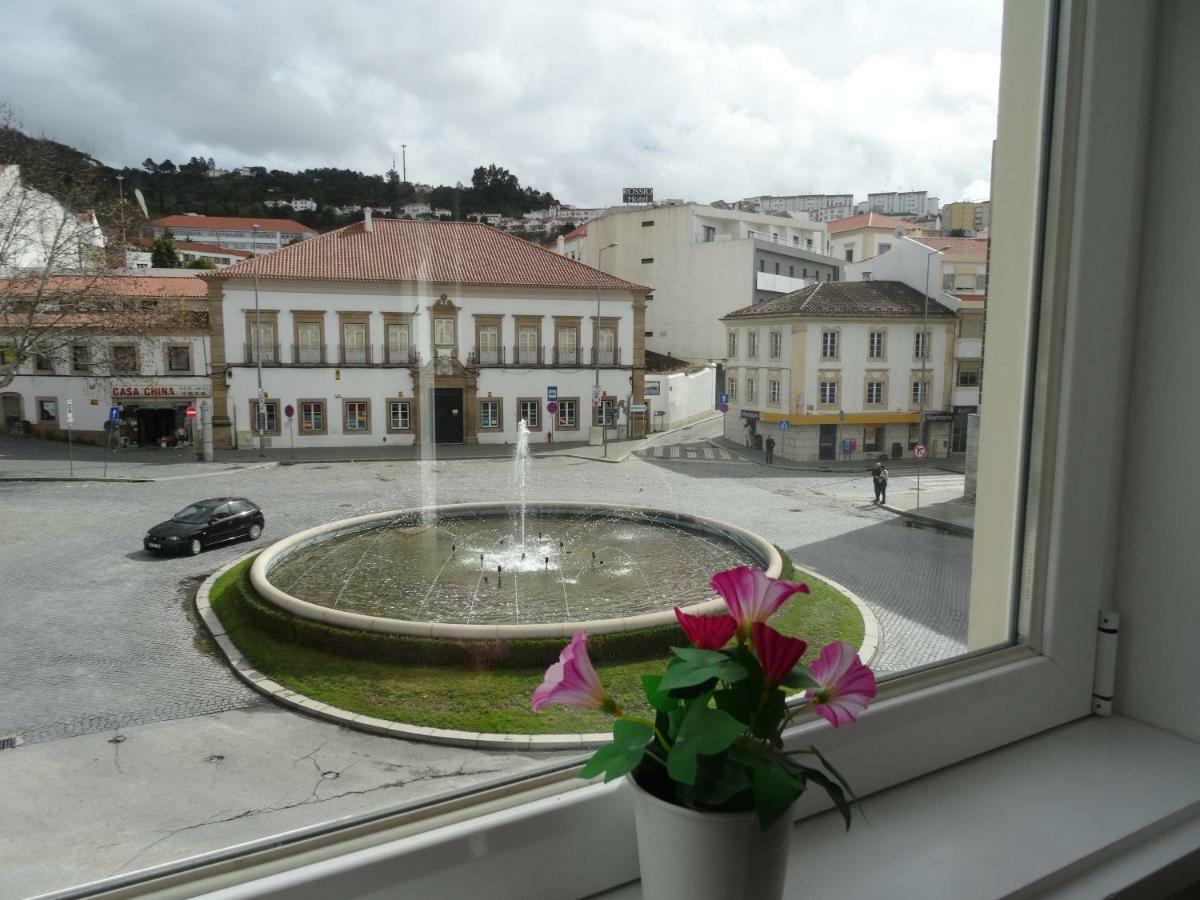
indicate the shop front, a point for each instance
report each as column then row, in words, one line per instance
column 154, row 414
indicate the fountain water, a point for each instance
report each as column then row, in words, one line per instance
column 521, row 470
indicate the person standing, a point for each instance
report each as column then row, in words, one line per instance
column 879, row 477
column 747, row 432
column 770, row 449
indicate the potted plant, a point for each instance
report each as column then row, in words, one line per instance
column 714, row 788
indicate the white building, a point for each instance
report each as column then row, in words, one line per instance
column 232, row 232
column 417, row 209
column 299, row 205
column 841, row 370
column 404, row 331
column 820, row 207
column 895, row 203
column 153, row 376
column 140, row 255
column 39, row 233
column 702, row 261
column 865, row 235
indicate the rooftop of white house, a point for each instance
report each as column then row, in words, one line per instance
column 452, row 253
column 840, row 299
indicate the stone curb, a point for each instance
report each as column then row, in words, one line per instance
column 447, row 737
column 67, row 478
column 915, row 518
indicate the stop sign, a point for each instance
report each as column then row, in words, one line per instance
column 191, row 412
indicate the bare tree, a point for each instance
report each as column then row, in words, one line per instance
column 61, row 234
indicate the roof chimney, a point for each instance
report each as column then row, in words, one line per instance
column 367, row 227
column 560, row 246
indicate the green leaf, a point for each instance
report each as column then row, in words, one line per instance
column 698, row 666
column 841, row 779
column 718, row 781
column 770, row 715
column 800, row 677
column 832, row 788
column 703, row 731
column 775, row 790
column 659, row 699
column 623, row 754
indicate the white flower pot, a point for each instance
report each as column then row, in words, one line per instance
column 689, row 855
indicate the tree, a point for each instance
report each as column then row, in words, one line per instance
column 200, row 263
column 150, row 165
column 167, row 167
column 164, row 254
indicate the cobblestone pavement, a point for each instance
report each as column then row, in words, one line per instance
column 96, row 635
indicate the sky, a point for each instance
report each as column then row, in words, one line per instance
column 698, row 99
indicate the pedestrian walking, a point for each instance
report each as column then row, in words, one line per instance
column 747, row 433
column 770, row 449
column 879, row 477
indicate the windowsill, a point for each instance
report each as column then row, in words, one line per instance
column 1083, row 810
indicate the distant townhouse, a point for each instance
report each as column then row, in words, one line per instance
column 702, row 260
column 152, row 377
column 299, row 205
column 820, row 207
column 232, row 233
column 417, row 209
column 894, row 203
column 868, row 234
column 841, row 370
column 967, row 216
column 139, row 254
column 955, row 270
column 400, row 331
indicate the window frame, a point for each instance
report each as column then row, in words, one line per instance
column 499, row 420
column 134, row 369
column 346, row 401
column 393, row 402
column 271, row 403
column 171, row 348
column 559, row 425
column 881, row 333
column 836, row 335
column 537, row 407
column 324, row 413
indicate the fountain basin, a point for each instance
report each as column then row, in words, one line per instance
column 341, row 574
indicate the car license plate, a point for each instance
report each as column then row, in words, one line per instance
column 153, row 546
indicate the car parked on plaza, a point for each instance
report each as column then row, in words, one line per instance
column 205, row 523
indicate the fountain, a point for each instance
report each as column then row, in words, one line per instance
column 593, row 566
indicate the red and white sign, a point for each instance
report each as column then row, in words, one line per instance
column 919, row 451
column 191, row 412
column 181, row 390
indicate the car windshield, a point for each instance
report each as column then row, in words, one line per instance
column 197, row 512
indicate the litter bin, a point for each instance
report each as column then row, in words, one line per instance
column 897, row 450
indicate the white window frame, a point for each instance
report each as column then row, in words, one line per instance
column 731, row 343
column 877, row 384
column 873, row 345
column 920, row 344
column 829, row 343
column 752, row 343
column 926, row 720
column 776, row 344
column 827, row 392
column 444, row 330
column 751, row 381
column 400, row 415
column 489, row 413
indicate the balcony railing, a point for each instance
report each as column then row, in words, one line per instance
column 270, row 354
column 487, row 356
column 308, row 356
column 527, row 356
column 606, row 356
column 354, row 356
column 399, row 356
column 568, row 356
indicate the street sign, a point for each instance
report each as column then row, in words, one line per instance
column 552, row 407
column 191, row 412
column 845, row 445
column 551, row 392
column 919, row 451
column 724, row 407
column 785, row 425
column 70, row 413
column 595, row 396
column 724, row 398
column 652, row 389
column 114, row 413
column 637, row 407
column 289, row 410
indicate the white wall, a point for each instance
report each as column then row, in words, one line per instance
column 906, row 262
column 684, row 397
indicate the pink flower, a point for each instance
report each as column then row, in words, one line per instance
column 572, row 681
column 845, row 685
column 752, row 596
column 776, row 653
column 706, row 632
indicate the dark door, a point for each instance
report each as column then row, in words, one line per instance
column 958, row 434
column 226, row 525
column 448, row 415
column 828, row 442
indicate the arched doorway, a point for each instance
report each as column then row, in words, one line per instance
column 10, row 413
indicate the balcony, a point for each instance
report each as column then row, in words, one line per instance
column 308, row 356
column 964, row 396
column 394, row 355
column 528, row 356
column 486, row 356
column 606, row 356
column 354, row 356
column 269, row 354
column 780, row 284
column 568, row 356
column 968, row 348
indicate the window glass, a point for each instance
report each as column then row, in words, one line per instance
column 312, row 415
column 489, row 413
column 357, row 415
column 398, row 410
column 179, row 358
column 530, row 411
column 443, row 332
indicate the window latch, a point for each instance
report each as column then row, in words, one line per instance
column 1104, row 677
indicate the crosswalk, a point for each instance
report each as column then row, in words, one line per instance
column 690, row 453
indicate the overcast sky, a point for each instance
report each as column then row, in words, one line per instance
column 700, row 100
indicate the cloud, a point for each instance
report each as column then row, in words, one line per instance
column 700, row 100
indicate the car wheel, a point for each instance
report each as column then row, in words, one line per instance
column 255, row 532
column 195, row 547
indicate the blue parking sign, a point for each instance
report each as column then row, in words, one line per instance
column 114, row 413
column 724, row 398
column 785, row 425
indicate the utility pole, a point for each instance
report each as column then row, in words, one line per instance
column 260, row 407
column 403, row 162
column 121, row 204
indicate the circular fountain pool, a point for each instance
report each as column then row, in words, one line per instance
column 465, row 571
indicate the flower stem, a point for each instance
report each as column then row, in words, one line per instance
column 658, row 734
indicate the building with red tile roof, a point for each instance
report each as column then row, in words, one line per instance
column 232, row 232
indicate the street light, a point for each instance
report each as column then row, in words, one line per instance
column 596, row 340
column 924, row 388
column 260, row 407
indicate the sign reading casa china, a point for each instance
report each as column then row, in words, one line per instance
column 155, row 391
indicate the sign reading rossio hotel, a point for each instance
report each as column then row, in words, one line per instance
column 637, row 195
column 149, row 390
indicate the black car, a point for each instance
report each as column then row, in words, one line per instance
column 205, row 523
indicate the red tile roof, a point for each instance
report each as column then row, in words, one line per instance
column 956, row 245
column 868, row 220
column 149, row 286
column 421, row 251
column 581, row 231
column 232, row 223
column 195, row 246
column 836, row 299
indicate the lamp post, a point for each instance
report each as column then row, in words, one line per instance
column 259, row 408
column 924, row 389
column 596, row 340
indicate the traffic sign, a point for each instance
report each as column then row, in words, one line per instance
column 114, row 413
column 552, row 407
column 551, row 392
column 70, row 413
column 191, row 412
column 289, row 410
column 637, row 407
column 785, row 425
column 919, row 451
column 724, row 407
column 724, row 398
